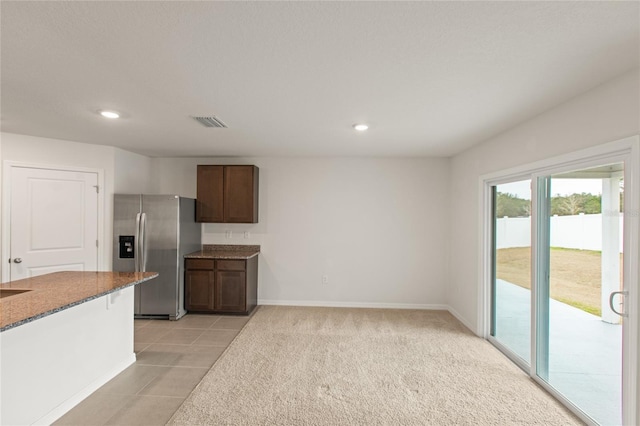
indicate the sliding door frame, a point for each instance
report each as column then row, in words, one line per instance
column 625, row 150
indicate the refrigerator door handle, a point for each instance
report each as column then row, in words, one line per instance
column 138, row 252
column 143, row 245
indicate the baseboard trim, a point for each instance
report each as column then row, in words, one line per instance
column 76, row 399
column 461, row 319
column 326, row 304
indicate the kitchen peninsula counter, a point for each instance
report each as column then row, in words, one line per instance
column 51, row 293
column 63, row 338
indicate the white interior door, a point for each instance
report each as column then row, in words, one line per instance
column 53, row 221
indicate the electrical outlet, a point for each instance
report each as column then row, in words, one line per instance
column 325, row 279
column 247, row 234
column 228, row 234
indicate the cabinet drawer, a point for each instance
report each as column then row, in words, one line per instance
column 199, row 264
column 230, row 265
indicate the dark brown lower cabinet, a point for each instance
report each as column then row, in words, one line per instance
column 199, row 291
column 221, row 286
column 230, row 291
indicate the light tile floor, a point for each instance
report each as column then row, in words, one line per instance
column 172, row 358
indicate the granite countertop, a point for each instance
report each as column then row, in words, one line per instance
column 224, row 251
column 57, row 291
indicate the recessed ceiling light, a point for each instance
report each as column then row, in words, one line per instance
column 361, row 127
column 109, row 114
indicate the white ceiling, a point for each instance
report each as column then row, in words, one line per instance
column 290, row 78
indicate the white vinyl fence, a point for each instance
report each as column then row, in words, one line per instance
column 583, row 231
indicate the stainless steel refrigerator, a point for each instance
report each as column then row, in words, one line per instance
column 153, row 233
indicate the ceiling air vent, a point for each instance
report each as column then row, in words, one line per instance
column 210, row 121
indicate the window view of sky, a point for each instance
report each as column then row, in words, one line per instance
column 559, row 186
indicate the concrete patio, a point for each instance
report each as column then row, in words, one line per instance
column 585, row 353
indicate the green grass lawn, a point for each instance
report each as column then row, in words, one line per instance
column 575, row 274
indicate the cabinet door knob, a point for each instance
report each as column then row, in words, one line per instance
column 17, row 260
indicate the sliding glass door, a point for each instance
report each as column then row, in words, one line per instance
column 511, row 269
column 578, row 263
column 560, row 293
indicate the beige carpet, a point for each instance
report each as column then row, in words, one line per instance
column 334, row 366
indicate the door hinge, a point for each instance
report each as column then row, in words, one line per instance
column 97, row 187
column 97, row 243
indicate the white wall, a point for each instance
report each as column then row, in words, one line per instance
column 37, row 150
column 606, row 113
column 132, row 173
column 376, row 227
column 1, row 255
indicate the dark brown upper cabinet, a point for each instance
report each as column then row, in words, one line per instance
column 209, row 203
column 227, row 194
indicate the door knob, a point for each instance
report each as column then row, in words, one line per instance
column 17, row 260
